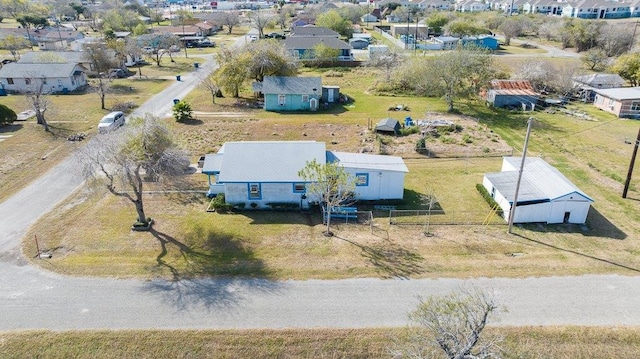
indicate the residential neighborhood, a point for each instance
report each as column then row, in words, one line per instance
column 319, row 179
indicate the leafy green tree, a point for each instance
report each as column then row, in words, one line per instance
column 452, row 326
column 628, row 67
column 464, row 27
column 122, row 160
column 334, row 21
column 28, row 21
column 14, row 44
column 79, row 10
column 7, row 115
column 268, row 58
column 231, row 73
column 437, row 21
column 15, row 7
column 330, row 185
column 182, row 111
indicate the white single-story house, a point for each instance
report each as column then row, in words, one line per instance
column 261, row 173
column 545, row 195
column 56, row 77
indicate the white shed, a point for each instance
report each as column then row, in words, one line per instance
column 545, row 194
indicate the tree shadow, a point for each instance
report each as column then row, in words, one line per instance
column 191, row 122
column 219, row 256
column 310, row 217
column 391, row 260
column 12, row 127
column 578, row 253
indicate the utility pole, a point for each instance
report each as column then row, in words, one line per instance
column 524, row 157
column 633, row 161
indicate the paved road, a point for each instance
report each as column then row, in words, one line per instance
column 33, row 298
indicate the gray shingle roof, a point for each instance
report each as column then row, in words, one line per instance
column 309, row 42
column 17, row 70
column 311, row 30
column 387, row 124
column 601, row 80
column 291, row 85
column 268, row 161
column 540, row 181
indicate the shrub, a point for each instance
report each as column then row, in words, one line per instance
column 487, row 197
column 182, row 111
column 283, row 206
column 7, row 115
column 219, row 204
column 253, row 205
column 421, row 145
column 333, row 73
column 123, row 106
column 406, row 131
column 467, row 138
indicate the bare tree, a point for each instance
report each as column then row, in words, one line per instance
column 615, row 39
column 158, row 45
column 452, row 325
column 101, row 60
column 386, row 61
column 230, row 19
column 36, row 96
column 209, row 84
column 14, row 44
column 260, row 20
column 330, row 185
column 121, row 161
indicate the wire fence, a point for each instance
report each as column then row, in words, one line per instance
column 439, row 217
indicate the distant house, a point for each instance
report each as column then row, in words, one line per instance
column 303, row 47
column 597, row 9
column 284, row 93
column 312, row 31
column 622, row 102
column 301, row 21
column 366, row 18
column 55, row 77
column 446, row 42
column 506, row 93
column 587, row 84
column 547, row 7
column 256, row 174
column 388, row 125
column 482, row 41
column 471, row 6
column 545, row 194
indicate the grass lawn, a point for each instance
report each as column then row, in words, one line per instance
column 189, row 242
column 525, row 342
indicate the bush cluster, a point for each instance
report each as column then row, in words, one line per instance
column 219, row 205
column 487, row 197
column 284, row 206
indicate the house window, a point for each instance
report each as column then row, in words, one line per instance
column 305, row 98
column 10, row 80
column 611, row 102
column 255, row 191
column 362, row 179
column 493, row 192
column 27, row 81
column 635, row 106
column 299, row 188
column 281, row 99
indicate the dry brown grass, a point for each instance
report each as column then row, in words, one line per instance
column 521, row 343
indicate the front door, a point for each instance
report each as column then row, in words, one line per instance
column 313, row 104
column 566, row 217
column 330, row 95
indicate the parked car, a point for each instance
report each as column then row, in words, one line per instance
column 205, row 43
column 117, row 73
column 111, row 122
column 275, row 35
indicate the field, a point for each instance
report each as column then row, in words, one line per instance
column 590, row 147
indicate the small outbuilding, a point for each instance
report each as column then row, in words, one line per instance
column 388, row 126
column 517, row 93
column 545, row 194
column 483, row 41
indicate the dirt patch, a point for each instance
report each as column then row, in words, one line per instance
column 466, row 138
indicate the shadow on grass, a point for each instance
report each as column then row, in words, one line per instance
column 578, row 253
column 11, row 127
column 310, row 218
column 391, row 260
column 192, row 122
column 220, row 255
column 597, row 226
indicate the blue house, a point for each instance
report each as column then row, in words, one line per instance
column 286, row 93
column 483, row 41
column 512, row 93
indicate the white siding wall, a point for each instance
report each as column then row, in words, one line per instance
column 382, row 184
column 574, row 203
column 270, row 192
